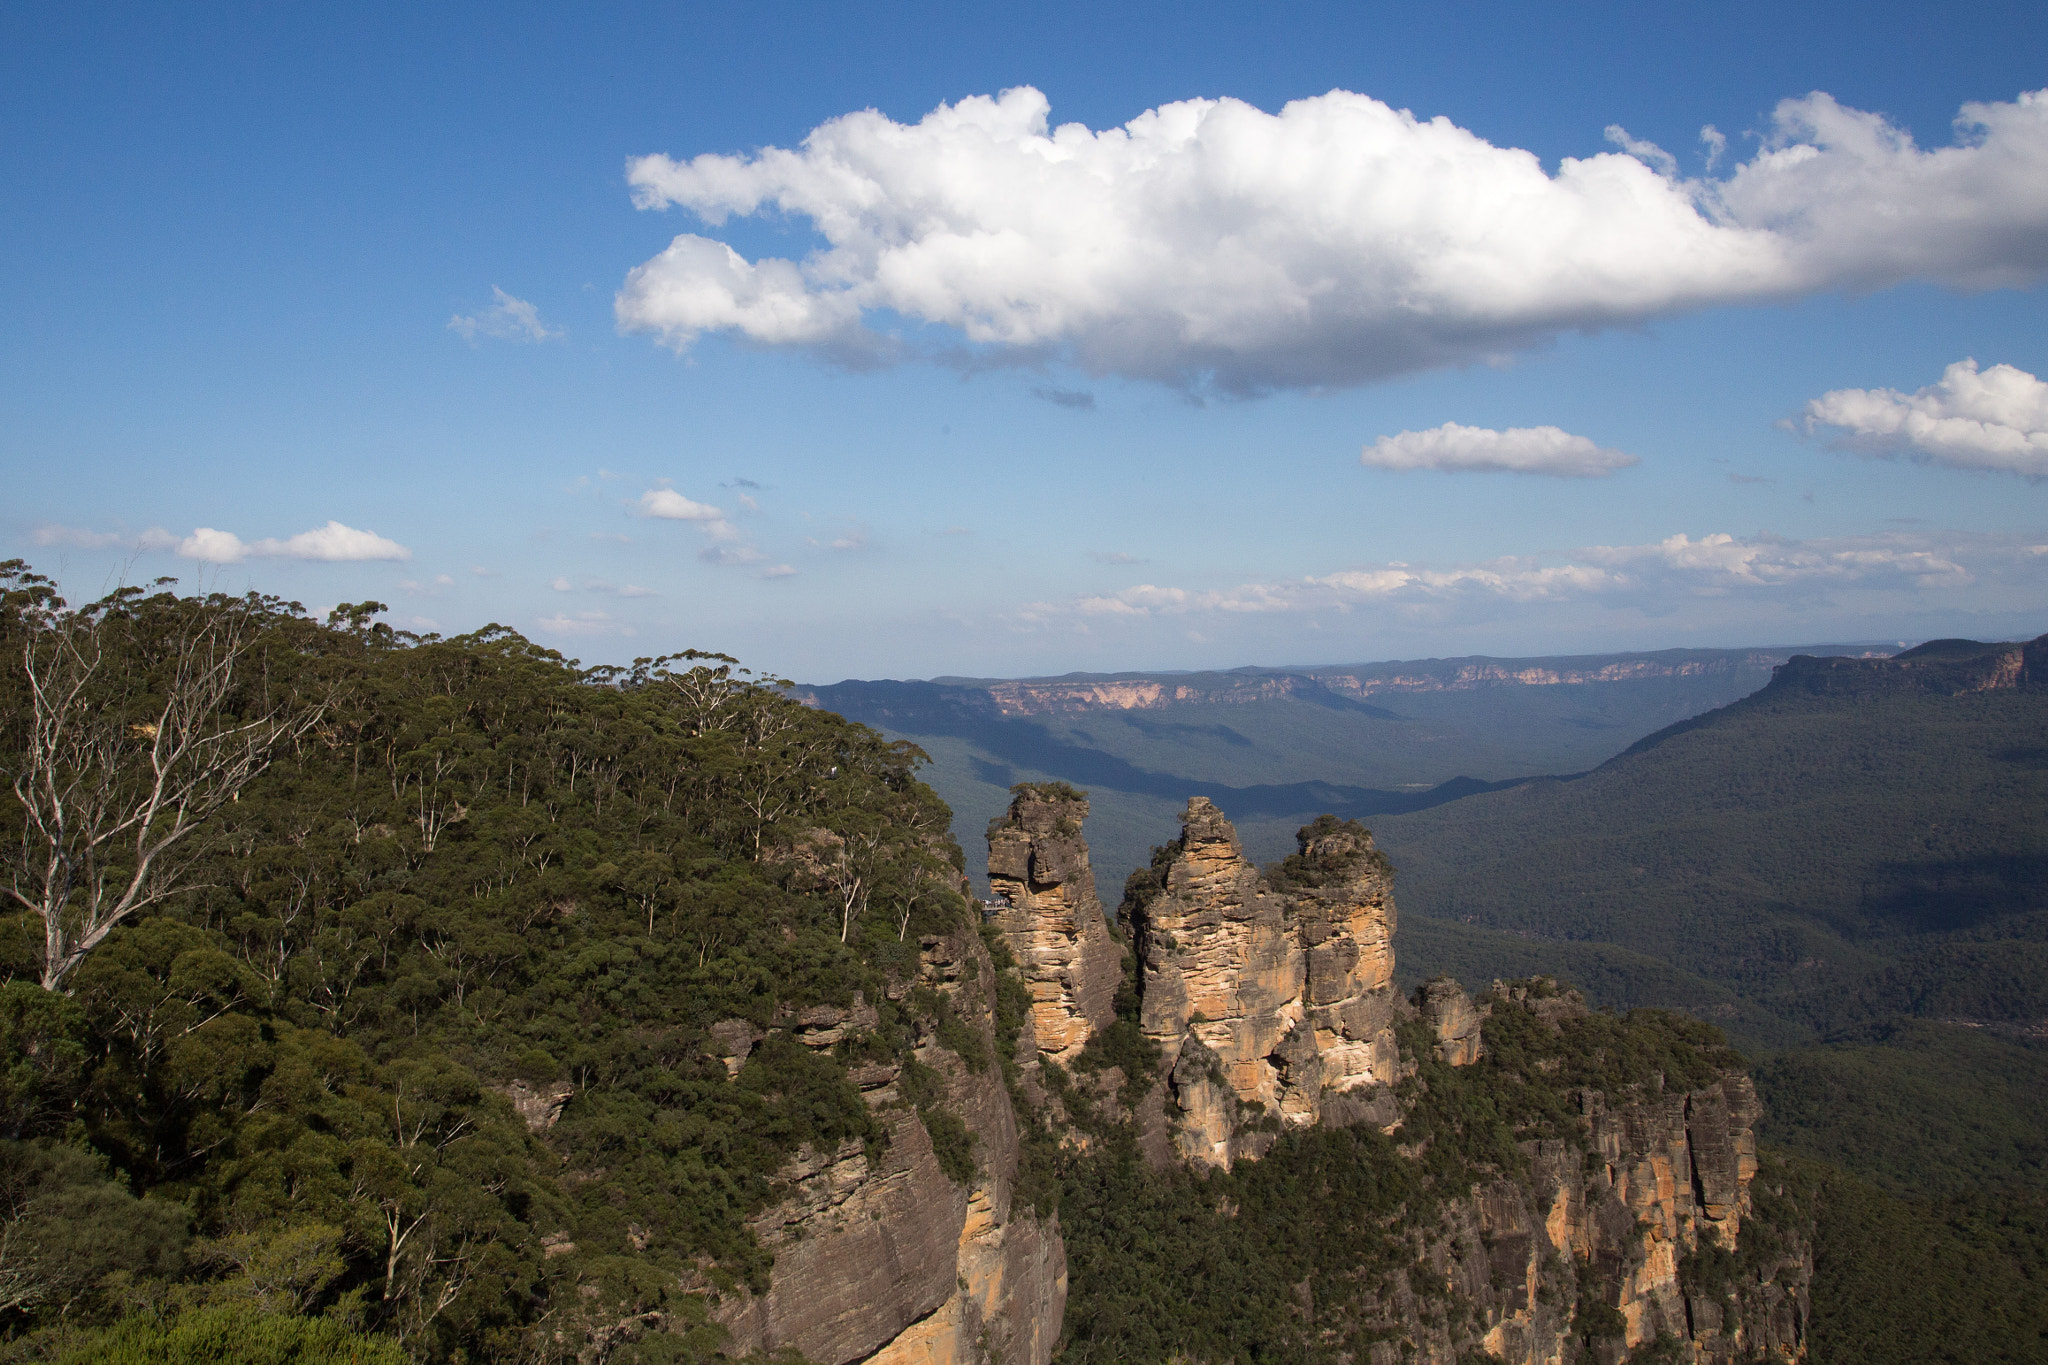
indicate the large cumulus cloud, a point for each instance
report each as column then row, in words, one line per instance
column 1208, row 243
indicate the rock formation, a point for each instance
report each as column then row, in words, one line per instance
column 1043, row 900
column 891, row 1261
column 1662, row 1176
column 1270, row 997
column 1454, row 1019
column 1272, row 1005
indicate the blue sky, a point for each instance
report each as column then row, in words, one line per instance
column 347, row 302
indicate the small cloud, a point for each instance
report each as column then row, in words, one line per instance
column 155, row 538
column 611, row 536
column 746, row 500
column 1994, row 420
column 1547, row 451
column 52, row 534
column 213, row 547
column 1649, row 153
column 561, row 585
column 635, row 590
column 444, row 580
column 1115, row 557
column 856, row 539
column 1716, row 143
column 741, row 483
column 778, row 571
column 479, row 571
column 582, row 623
column 669, row 505
column 508, row 319
column 1749, row 478
column 333, row 543
column 1078, row 399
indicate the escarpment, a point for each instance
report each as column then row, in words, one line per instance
column 1529, row 1181
column 1512, row 1177
column 918, row 1253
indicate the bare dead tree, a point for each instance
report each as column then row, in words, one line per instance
column 120, row 770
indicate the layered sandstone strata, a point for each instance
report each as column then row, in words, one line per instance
column 1042, row 895
column 1272, row 1006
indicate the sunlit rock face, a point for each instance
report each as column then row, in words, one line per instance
column 879, row 1256
column 1271, row 999
column 1042, row 895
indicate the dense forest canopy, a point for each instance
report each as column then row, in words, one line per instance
column 422, row 877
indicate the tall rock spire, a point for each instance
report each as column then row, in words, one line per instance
column 1043, row 896
column 1270, row 996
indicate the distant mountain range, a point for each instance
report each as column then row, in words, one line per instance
column 1273, row 747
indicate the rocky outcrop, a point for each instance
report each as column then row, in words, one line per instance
column 1663, row 1175
column 1270, row 996
column 1042, row 898
column 1272, row 1006
column 1949, row 668
column 889, row 1259
column 539, row 1106
column 1454, row 1019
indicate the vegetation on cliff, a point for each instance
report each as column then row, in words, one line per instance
column 1328, row 1242
column 322, row 1074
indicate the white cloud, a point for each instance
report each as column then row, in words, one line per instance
column 1518, row 450
column 1339, row 241
column 213, row 547
column 332, row 543
column 507, row 319
column 582, row 623
column 155, row 538
column 562, row 585
column 669, row 505
column 725, row 544
column 1993, row 419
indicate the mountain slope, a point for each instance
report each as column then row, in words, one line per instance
column 1861, row 837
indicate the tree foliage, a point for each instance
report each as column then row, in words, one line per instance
column 470, row 872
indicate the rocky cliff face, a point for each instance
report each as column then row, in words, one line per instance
column 892, row 1260
column 1272, row 1007
column 1270, row 997
column 1950, row 668
column 1619, row 1225
column 1043, row 900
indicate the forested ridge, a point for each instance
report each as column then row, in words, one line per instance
column 472, row 870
